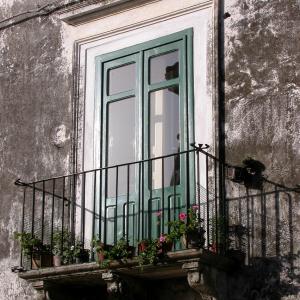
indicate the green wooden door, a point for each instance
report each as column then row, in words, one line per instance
column 146, row 103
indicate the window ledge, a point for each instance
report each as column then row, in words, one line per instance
column 86, row 12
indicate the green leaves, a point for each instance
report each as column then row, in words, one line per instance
column 30, row 243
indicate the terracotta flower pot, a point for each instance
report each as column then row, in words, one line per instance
column 142, row 246
column 57, row 261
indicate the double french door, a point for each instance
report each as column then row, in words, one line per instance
column 146, row 114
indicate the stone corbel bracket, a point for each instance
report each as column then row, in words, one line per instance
column 115, row 286
column 206, row 279
column 197, row 279
column 120, row 286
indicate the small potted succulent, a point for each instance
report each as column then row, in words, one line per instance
column 33, row 248
column 81, row 254
column 188, row 228
column 61, row 248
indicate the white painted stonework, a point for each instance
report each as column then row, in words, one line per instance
column 127, row 28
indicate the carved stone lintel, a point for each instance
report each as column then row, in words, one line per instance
column 197, row 279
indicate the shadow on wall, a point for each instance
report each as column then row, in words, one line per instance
column 264, row 225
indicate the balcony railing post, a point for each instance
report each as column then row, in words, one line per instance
column 143, row 200
column 139, row 202
column 23, row 222
column 207, row 204
column 105, row 207
column 32, row 219
column 198, row 185
column 100, row 205
column 116, row 206
column 43, row 210
column 187, row 182
column 223, row 212
column 73, row 208
column 248, row 224
column 150, row 199
column 63, row 215
column 162, row 196
column 83, row 209
column 127, row 203
column 52, row 213
column 216, row 233
column 94, row 212
column 277, row 228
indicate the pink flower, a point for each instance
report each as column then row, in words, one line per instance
column 162, row 238
column 195, row 207
column 182, row 216
column 158, row 213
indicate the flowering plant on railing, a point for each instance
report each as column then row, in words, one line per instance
column 188, row 228
column 151, row 251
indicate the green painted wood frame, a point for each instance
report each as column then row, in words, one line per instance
column 173, row 198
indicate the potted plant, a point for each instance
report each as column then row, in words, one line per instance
column 164, row 244
column 148, row 252
column 81, row 254
column 121, row 250
column 151, row 251
column 33, row 248
column 188, row 228
column 142, row 245
column 102, row 252
column 61, row 248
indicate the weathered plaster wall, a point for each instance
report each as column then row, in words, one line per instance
column 35, row 122
column 263, row 85
column 262, row 107
column 262, row 63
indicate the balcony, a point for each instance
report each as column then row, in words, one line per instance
column 139, row 201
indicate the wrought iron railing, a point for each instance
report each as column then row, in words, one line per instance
column 137, row 200
column 134, row 201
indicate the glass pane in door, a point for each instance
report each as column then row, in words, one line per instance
column 164, row 67
column 164, row 137
column 120, row 145
column 121, row 79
